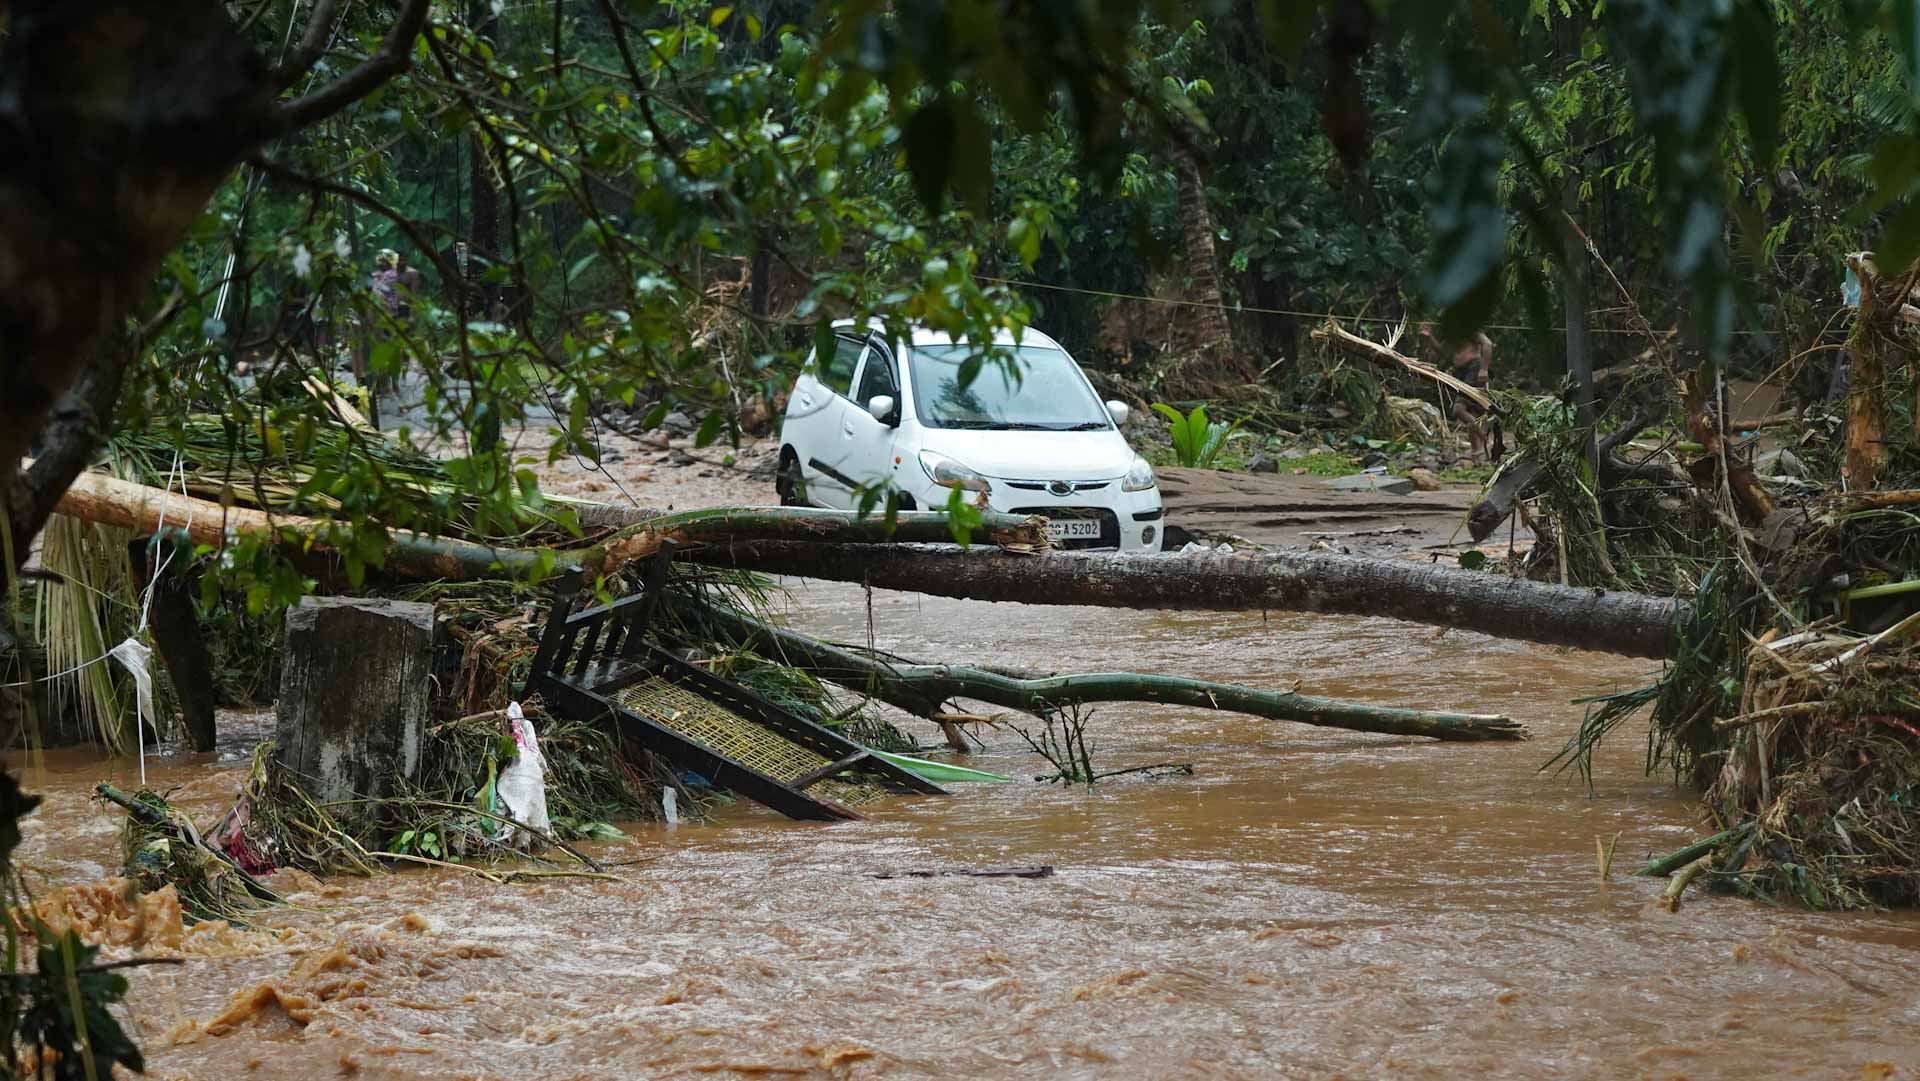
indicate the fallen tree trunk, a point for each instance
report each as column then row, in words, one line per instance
column 923, row 689
column 96, row 497
column 1623, row 623
column 690, row 529
column 1613, row 622
column 1858, row 501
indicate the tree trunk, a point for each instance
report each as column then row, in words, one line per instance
column 921, row 689
column 1866, row 448
column 1209, row 320
column 118, row 122
column 1573, row 293
column 1626, row 623
column 760, row 280
column 354, row 696
column 487, row 167
column 96, row 497
column 1518, row 479
column 178, row 638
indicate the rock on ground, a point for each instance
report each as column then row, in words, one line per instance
column 1425, row 480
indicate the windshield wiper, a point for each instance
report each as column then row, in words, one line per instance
column 1020, row 426
column 1086, row 426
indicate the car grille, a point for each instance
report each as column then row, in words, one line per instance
column 1109, row 525
column 1073, row 486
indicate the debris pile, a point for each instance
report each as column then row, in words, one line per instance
column 1789, row 694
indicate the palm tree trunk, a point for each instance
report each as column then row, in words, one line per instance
column 1209, row 321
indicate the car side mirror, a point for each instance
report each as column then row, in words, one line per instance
column 881, row 406
column 1118, row 411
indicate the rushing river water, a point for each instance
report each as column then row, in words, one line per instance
column 1312, row 904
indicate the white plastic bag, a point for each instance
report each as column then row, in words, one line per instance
column 137, row 657
column 522, row 787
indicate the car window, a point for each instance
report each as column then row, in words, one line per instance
column 877, row 377
column 1031, row 387
column 837, row 372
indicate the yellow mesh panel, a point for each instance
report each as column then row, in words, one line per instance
column 746, row 742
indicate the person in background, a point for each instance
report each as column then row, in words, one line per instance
column 1472, row 363
column 394, row 285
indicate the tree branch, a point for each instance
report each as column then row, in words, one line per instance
column 390, row 61
column 922, row 689
column 411, row 228
column 73, row 435
column 313, row 43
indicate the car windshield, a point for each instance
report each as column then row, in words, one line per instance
column 1037, row 387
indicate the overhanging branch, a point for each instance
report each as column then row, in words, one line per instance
column 388, row 62
column 313, row 43
column 448, row 272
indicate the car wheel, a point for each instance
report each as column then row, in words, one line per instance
column 788, row 481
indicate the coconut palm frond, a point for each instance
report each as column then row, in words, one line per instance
column 79, row 617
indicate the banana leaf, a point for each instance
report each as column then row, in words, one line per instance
column 942, row 772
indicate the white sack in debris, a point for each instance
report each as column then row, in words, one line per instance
column 523, row 785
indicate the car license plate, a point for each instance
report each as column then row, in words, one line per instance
column 1073, row 528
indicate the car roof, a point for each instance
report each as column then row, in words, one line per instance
column 919, row 335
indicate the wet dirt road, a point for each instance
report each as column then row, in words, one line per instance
column 1310, row 904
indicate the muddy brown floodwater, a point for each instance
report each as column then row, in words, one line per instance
column 1310, row 904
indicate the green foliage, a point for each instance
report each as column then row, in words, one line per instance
column 632, row 182
column 64, row 1015
column 1326, row 463
column 962, row 516
column 642, row 177
column 55, row 1019
column 1196, row 439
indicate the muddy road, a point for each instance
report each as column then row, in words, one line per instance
column 1310, row 904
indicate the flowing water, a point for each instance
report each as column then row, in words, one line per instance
column 1311, row 903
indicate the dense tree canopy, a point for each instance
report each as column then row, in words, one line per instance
column 660, row 203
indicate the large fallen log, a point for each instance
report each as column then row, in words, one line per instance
column 1287, row 581
column 1612, row 622
column 923, row 689
column 96, row 497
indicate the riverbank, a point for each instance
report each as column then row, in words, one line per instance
column 1274, row 510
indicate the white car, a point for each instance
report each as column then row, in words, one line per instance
column 1042, row 443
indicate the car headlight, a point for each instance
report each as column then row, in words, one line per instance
column 951, row 474
column 1139, row 478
